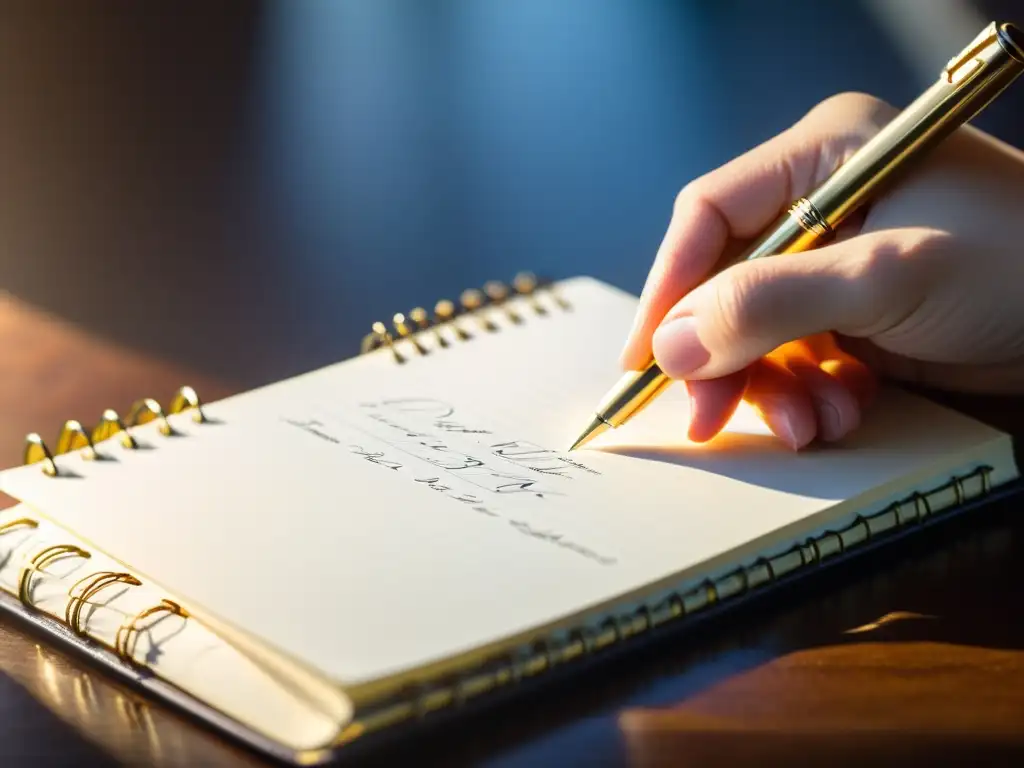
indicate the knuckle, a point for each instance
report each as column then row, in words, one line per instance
column 883, row 261
column 888, row 274
column 853, row 112
column 686, row 197
column 841, row 124
column 849, row 102
column 874, row 272
column 739, row 307
column 853, row 100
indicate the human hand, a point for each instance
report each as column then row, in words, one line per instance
column 925, row 286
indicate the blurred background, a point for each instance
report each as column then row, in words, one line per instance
column 244, row 187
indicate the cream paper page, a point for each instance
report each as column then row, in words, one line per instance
column 179, row 650
column 373, row 517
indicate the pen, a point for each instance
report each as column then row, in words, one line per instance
column 967, row 84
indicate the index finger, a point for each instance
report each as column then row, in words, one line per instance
column 719, row 212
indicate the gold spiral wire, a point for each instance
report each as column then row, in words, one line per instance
column 39, row 561
column 73, row 436
column 127, row 638
column 476, row 307
column 86, row 588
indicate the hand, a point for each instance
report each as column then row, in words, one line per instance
column 925, row 286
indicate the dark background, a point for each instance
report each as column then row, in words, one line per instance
column 246, row 186
column 242, row 188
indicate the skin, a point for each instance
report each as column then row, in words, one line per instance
column 926, row 286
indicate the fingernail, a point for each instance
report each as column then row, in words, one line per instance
column 689, row 427
column 677, row 347
column 781, row 423
column 784, row 429
column 831, row 422
column 625, row 356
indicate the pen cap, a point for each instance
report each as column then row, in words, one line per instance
column 967, row 84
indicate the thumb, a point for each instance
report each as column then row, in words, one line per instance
column 858, row 287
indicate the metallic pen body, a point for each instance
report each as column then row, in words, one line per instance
column 969, row 82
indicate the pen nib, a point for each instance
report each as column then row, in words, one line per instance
column 597, row 426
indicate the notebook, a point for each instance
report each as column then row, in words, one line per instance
column 403, row 533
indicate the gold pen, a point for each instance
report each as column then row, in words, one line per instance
column 968, row 83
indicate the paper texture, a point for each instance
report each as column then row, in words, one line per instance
column 373, row 517
column 179, row 650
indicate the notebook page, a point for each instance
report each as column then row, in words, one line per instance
column 372, row 517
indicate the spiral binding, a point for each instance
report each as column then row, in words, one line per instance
column 422, row 332
column 423, row 698
column 73, row 695
column 94, row 583
column 75, row 437
column 26, row 522
column 85, row 589
column 127, row 637
column 40, row 560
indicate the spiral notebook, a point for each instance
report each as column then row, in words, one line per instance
column 403, row 534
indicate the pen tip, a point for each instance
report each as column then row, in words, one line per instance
column 597, row 426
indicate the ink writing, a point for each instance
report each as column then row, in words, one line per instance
column 487, row 475
column 375, row 457
column 430, row 414
column 559, row 540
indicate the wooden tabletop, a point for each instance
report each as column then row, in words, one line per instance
column 223, row 194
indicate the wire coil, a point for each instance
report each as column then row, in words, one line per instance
column 671, row 607
column 73, row 436
column 83, row 593
column 419, row 332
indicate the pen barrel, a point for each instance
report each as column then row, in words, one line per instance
column 970, row 81
column 634, row 391
column 791, row 233
column 957, row 96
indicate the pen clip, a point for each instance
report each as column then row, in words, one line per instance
column 968, row 61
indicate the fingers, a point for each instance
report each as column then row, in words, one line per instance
column 713, row 403
column 853, row 372
column 783, row 403
column 836, row 408
column 861, row 287
column 801, row 397
column 719, row 211
column 696, row 236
